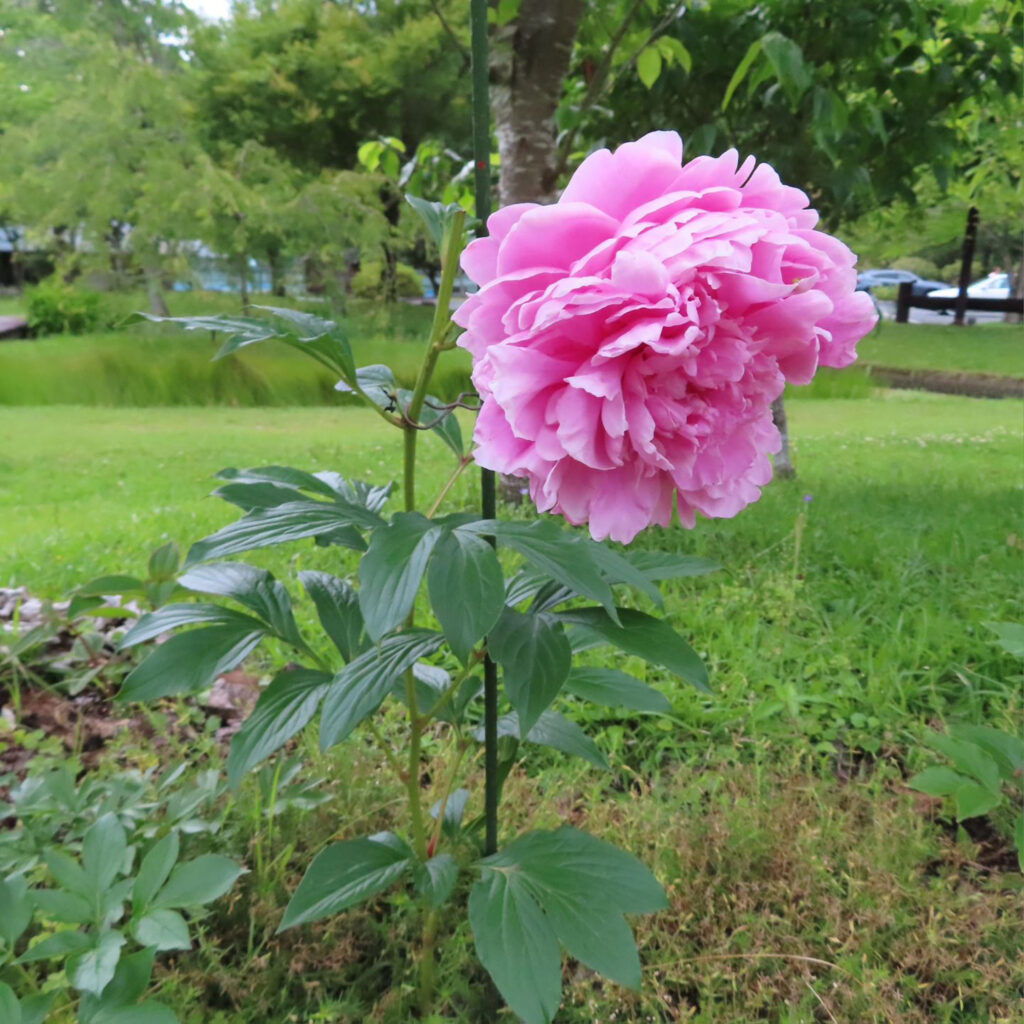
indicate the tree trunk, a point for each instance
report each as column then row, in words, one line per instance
column 157, row 302
column 784, row 468
column 243, row 280
column 277, row 272
column 529, row 60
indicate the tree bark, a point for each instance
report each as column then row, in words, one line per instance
column 529, row 61
column 243, row 280
column 157, row 302
column 784, row 468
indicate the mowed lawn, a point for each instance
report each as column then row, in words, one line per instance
column 906, row 506
column 806, row 882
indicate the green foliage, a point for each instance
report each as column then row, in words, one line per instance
column 92, row 870
column 918, row 265
column 54, row 307
column 369, row 282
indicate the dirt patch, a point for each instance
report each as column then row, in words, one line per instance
column 947, row 382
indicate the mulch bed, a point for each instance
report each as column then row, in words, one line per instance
column 947, row 382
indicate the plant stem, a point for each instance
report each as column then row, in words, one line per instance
column 449, row 484
column 412, row 775
column 427, row 964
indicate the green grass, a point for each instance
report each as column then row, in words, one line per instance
column 146, row 365
column 982, row 348
column 805, row 881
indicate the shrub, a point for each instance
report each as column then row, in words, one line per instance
column 58, row 308
column 950, row 272
column 369, row 283
column 917, row 265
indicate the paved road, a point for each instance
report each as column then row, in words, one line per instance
column 929, row 316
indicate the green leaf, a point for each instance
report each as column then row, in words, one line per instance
column 284, row 709
column 173, row 616
column 65, row 907
column 442, row 420
column 198, row 882
column 284, row 477
column 359, row 688
column 103, row 585
column 161, row 930
column 617, row 568
column 337, row 605
column 164, row 561
column 154, row 869
column 564, row 885
column 535, row 657
column 392, row 569
column 15, row 908
column 615, row 689
column 56, row 945
column 969, row 759
column 1018, row 839
column 104, row 848
column 1005, row 748
column 254, row 588
column 438, row 217
column 10, row 1008
column 673, row 49
column 973, row 800
column 189, row 662
column 641, row 635
column 662, row 565
column 1010, row 636
column 555, row 731
column 436, row 878
column 68, row 873
column 126, row 988
column 467, row 590
column 295, row 520
column 562, row 555
column 648, row 65
column 937, row 781
column 787, row 61
column 149, row 1012
column 92, row 970
column 517, row 945
column 36, row 1008
column 343, row 875
column 741, row 71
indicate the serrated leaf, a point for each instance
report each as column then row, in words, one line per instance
column 189, row 662
column 615, row 689
column 362, row 684
column 161, row 930
column 535, row 658
column 392, row 569
column 198, row 882
column 343, row 875
column 154, row 869
column 284, row 709
column 295, row 520
column 641, row 635
column 467, row 590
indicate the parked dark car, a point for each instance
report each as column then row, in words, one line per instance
column 868, row 279
column 923, row 287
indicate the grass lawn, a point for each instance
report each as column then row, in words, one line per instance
column 983, row 348
column 806, row 883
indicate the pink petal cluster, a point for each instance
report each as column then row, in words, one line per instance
column 628, row 341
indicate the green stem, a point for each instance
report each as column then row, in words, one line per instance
column 435, row 346
column 427, row 963
column 412, row 775
column 449, row 484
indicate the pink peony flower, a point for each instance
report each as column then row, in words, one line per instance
column 628, row 341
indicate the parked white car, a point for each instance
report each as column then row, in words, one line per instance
column 995, row 286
